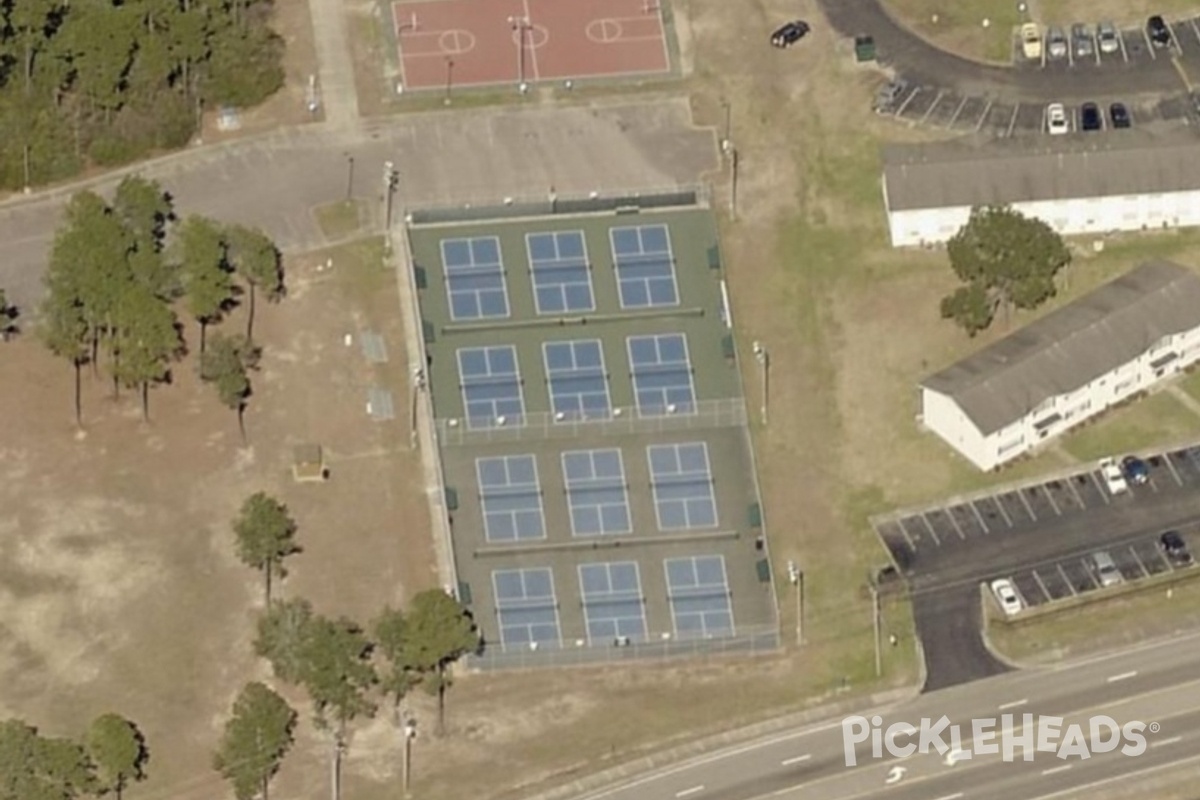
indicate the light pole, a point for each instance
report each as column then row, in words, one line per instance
column 727, row 107
column 390, row 178
column 519, row 26
column 349, row 176
column 449, row 77
column 797, row 579
column 409, row 733
column 764, row 370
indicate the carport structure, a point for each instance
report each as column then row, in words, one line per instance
column 1040, row 534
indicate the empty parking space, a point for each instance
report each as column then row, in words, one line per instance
column 1054, row 584
column 1063, row 495
column 917, row 105
column 968, row 520
column 946, row 110
column 999, row 118
column 1077, row 575
column 1151, row 557
column 1029, row 588
column 972, row 114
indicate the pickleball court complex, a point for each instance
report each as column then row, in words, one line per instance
column 448, row 44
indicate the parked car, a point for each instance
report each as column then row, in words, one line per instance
column 1090, row 118
column 1175, row 548
column 790, row 33
column 1136, row 471
column 1114, row 478
column 1006, row 595
column 1106, row 570
column 1118, row 115
column 1031, row 41
column 1107, row 36
column 1056, row 119
column 888, row 96
column 1157, row 30
column 1081, row 40
column 1056, row 43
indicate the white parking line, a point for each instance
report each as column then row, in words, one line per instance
column 1124, row 676
column 947, row 512
column 908, row 100
column 1000, row 507
column 1042, row 585
column 787, row 762
column 1046, row 491
column 1071, row 485
column 932, row 532
column 1138, row 559
column 1021, row 494
column 979, row 517
column 1124, row 52
column 1012, row 123
column 983, row 116
column 1176, row 45
column 936, row 100
column 1100, row 487
column 690, row 791
column 957, row 111
column 1195, row 30
column 1066, row 580
column 1149, row 44
column 1050, row 771
column 1172, row 740
column 1013, row 704
column 911, row 544
column 1166, row 457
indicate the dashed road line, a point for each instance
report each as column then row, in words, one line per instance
column 1054, row 770
column 689, row 792
column 1172, row 740
column 787, row 762
column 1124, row 676
column 1013, row 704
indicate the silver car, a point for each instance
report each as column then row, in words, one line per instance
column 1056, row 43
column 1110, row 40
column 1081, row 40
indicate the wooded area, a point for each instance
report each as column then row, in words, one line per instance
column 99, row 82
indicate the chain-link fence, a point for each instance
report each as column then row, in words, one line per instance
column 707, row 415
column 747, row 641
column 552, row 204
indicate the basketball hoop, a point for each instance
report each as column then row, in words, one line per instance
column 411, row 25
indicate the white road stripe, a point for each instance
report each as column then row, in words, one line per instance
column 954, row 796
column 796, row 760
column 1050, row 771
column 1123, row 676
column 1172, row 740
column 1014, row 704
column 687, row 792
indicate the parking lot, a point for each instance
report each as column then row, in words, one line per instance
column 1027, row 509
column 945, row 108
column 1134, row 49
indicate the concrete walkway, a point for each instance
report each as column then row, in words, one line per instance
column 339, row 99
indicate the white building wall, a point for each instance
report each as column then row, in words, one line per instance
column 1073, row 216
column 1058, row 414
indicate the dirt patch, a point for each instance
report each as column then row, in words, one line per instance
column 124, row 529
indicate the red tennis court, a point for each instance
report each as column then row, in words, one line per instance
column 452, row 43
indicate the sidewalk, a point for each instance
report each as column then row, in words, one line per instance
column 339, row 100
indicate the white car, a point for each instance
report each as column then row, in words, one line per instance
column 1114, row 476
column 1056, row 119
column 1031, row 41
column 1006, row 596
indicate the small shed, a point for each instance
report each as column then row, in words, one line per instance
column 308, row 463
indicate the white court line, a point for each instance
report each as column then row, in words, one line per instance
column 1172, row 740
column 690, row 791
column 1124, row 676
column 789, row 761
column 1014, row 704
column 1052, row 770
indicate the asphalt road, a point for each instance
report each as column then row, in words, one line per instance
column 921, row 62
column 1158, row 685
column 276, row 181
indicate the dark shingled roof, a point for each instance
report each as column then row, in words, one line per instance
column 973, row 172
column 1073, row 345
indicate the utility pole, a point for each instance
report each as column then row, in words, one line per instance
column 449, row 77
column 728, row 108
column 764, row 369
column 876, row 623
column 390, row 179
column 520, row 25
column 349, row 176
column 409, row 733
column 796, row 576
column 733, row 182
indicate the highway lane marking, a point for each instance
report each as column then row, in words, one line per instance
column 1013, row 704
column 1172, row 740
column 789, row 761
column 1078, row 791
column 1124, row 676
column 690, row 791
column 1054, row 770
